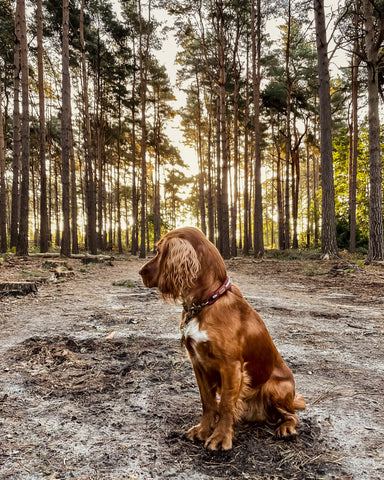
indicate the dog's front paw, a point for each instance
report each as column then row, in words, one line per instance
column 200, row 432
column 286, row 429
column 219, row 439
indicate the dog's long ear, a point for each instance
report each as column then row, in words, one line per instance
column 179, row 268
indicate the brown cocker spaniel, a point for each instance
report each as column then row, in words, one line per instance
column 241, row 375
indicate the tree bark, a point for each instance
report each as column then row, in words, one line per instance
column 236, row 161
column 3, row 193
column 74, row 227
column 135, row 207
column 15, row 210
column 118, row 203
column 247, row 240
column 353, row 154
column 328, row 231
column 219, row 216
column 258, row 234
column 224, row 233
column 211, row 215
column 279, row 189
column 22, row 244
column 200, row 161
column 89, row 175
column 65, row 134
column 143, row 55
column 372, row 45
column 44, row 225
column 287, row 224
column 156, row 183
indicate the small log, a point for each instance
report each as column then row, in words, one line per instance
column 17, row 288
column 49, row 265
column 44, row 255
column 97, row 259
column 62, row 272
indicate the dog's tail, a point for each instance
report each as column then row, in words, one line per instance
column 299, row 402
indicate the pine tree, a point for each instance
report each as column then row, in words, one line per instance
column 328, row 232
column 65, row 134
column 372, row 44
column 22, row 243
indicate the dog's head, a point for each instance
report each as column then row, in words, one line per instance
column 184, row 262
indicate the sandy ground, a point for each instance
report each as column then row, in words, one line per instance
column 94, row 383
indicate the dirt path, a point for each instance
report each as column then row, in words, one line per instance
column 94, row 383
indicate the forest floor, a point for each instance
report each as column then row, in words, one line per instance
column 94, row 383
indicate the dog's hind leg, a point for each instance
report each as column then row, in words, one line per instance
column 281, row 402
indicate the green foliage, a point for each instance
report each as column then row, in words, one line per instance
column 343, row 235
column 341, row 162
column 124, row 283
column 305, row 254
column 6, row 42
column 274, row 96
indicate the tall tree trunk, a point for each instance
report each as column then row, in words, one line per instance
column 118, row 203
column 44, row 226
column 65, row 134
column 224, row 233
column 74, row 227
column 246, row 239
column 372, row 46
column 90, row 199
column 143, row 55
column 328, row 230
column 100, row 183
column 200, row 161
column 211, row 215
column 287, row 224
column 15, row 210
column 135, row 209
column 295, row 155
column 219, row 216
column 353, row 153
column 3, row 193
column 156, row 183
column 109, row 206
column 279, row 190
column 235, row 157
column 236, row 161
column 316, row 208
column 308, row 189
column 258, row 234
column 22, row 245
column 56, row 196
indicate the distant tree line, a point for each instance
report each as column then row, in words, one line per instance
column 289, row 155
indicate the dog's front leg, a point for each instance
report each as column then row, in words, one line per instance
column 207, row 383
column 231, row 383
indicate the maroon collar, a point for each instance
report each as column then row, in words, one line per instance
column 218, row 293
column 194, row 309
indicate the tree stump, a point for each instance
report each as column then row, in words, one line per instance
column 18, row 288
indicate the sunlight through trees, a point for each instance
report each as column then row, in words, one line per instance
column 289, row 150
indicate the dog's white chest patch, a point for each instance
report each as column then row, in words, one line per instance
column 192, row 331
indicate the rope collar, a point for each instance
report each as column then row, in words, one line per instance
column 194, row 309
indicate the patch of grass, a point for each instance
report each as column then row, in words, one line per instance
column 310, row 270
column 30, row 273
column 124, row 283
column 306, row 254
